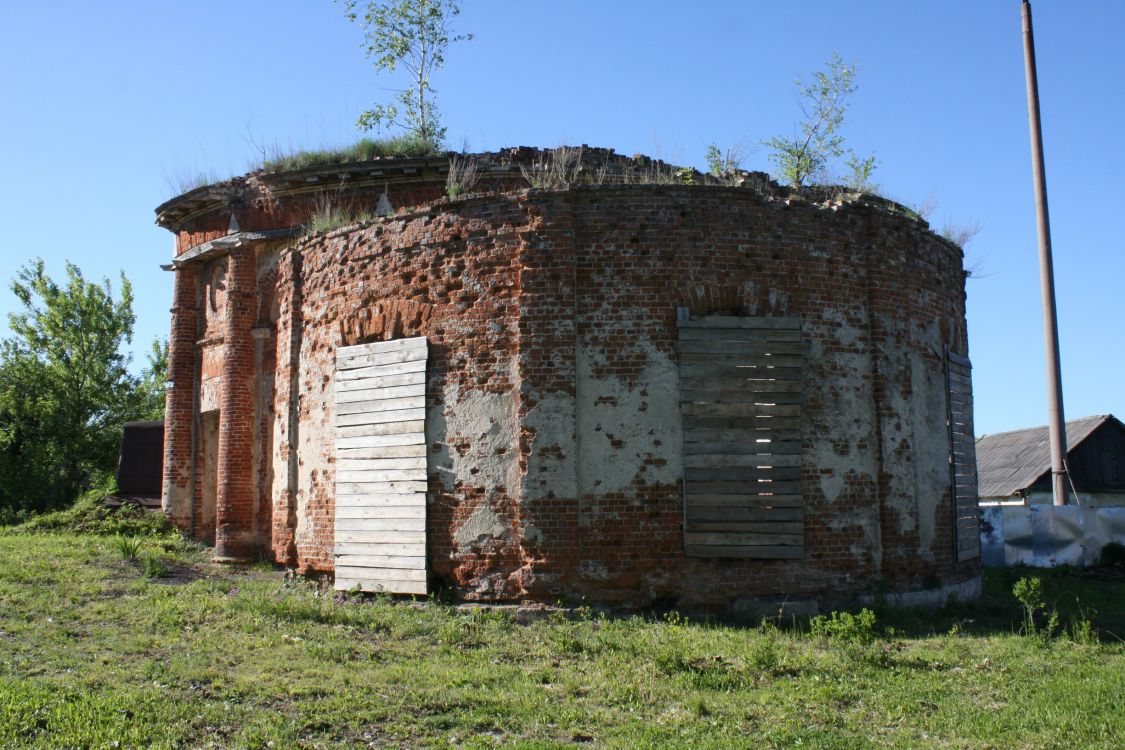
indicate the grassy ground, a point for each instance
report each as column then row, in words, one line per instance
column 95, row 653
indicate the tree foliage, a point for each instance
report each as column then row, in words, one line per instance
column 65, row 387
column 805, row 157
column 413, row 34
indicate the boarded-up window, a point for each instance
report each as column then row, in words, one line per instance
column 740, row 385
column 963, row 457
column 381, row 466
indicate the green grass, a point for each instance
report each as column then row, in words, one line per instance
column 362, row 150
column 93, row 652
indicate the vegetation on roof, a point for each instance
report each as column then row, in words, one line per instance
column 363, row 150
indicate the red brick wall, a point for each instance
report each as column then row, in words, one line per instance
column 555, row 451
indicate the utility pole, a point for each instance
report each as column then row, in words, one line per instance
column 1056, row 422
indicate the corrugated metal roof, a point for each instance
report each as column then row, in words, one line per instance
column 1008, row 462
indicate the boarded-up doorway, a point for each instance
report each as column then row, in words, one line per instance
column 381, row 466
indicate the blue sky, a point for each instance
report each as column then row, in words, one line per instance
column 104, row 105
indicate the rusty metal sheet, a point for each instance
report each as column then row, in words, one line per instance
column 1045, row 536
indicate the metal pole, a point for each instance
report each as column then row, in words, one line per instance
column 1056, row 421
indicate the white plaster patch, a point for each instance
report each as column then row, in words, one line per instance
column 831, row 485
column 483, row 525
column 628, row 430
column 550, row 463
column 481, row 428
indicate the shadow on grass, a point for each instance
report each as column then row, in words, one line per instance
column 1094, row 594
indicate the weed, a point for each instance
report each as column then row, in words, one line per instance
column 1081, row 628
column 844, row 627
column 330, row 211
column 724, row 166
column 961, row 234
column 766, row 654
column 554, row 169
column 153, row 565
column 1029, row 593
column 462, row 177
column 857, row 637
column 127, row 546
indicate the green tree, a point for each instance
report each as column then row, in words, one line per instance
column 413, row 34
column 65, row 387
column 805, row 157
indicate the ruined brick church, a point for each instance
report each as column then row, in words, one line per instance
column 626, row 390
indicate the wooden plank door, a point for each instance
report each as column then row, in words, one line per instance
column 381, row 466
column 740, row 396
column 963, row 457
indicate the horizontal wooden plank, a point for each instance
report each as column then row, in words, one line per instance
column 727, row 359
column 376, row 347
column 763, row 335
column 379, row 488
column 694, row 512
column 746, row 352
column 356, row 511
column 787, row 528
column 380, row 441
column 735, row 379
column 767, row 552
column 958, row 359
column 694, row 422
column 695, row 409
column 380, row 573
column 384, row 586
column 742, row 447
column 379, row 524
column 724, row 371
column 347, row 462
column 380, row 405
column 742, row 539
column 959, row 379
column 766, row 432
column 382, row 371
column 380, row 360
column 742, row 473
column 381, row 451
column 731, row 321
column 729, row 461
column 379, row 381
column 743, row 488
column 379, row 417
column 745, row 500
column 739, row 396
column 732, row 359
column 380, row 393
column 372, row 500
column 395, row 549
column 381, row 537
column 380, row 475
column 383, row 428
column 381, row 561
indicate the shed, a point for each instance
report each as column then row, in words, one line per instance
column 140, row 464
column 1016, row 466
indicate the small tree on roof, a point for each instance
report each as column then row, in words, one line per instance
column 804, row 157
column 413, row 34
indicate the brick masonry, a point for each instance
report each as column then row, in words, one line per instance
column 555, row 446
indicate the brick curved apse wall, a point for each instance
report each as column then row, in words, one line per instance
column 554, row 433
